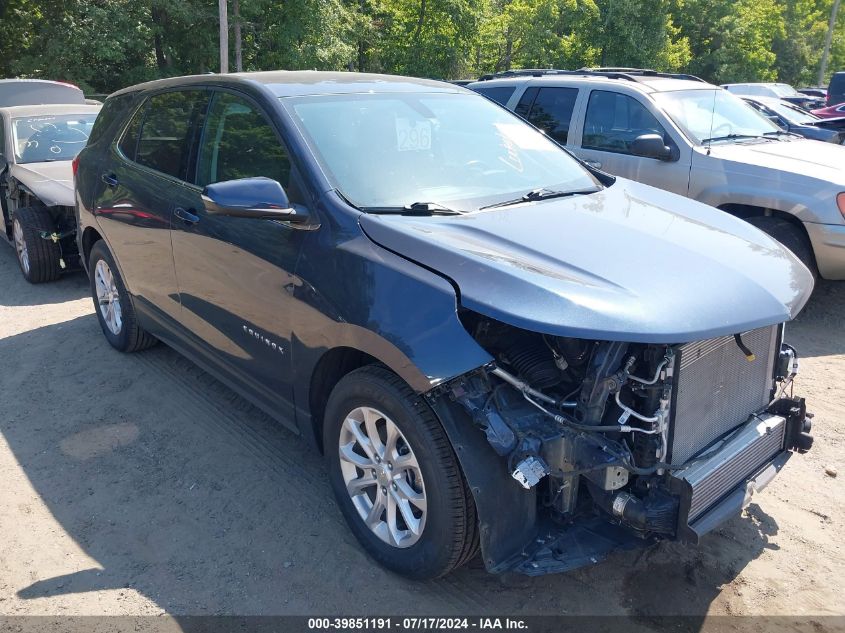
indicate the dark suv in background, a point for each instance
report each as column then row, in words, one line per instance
column 836, row 89
column 497, row 348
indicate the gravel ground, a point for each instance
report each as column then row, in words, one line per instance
column 138, row 484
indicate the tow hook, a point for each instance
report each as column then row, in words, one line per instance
column 799, row 423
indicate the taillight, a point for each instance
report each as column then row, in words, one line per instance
column 840, row 202
column 74, row 165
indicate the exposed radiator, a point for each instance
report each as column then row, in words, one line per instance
column 741, row 456
column 718, row 388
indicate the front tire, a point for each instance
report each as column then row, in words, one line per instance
column 38, row 258
column 789, row 235
column 113, row 305
column 395, row 476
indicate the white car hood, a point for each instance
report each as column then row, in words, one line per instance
column 50, row 182
column 792, row 161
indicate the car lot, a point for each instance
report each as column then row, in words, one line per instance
column 140, row 485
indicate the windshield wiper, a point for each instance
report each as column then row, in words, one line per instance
column 540, row 194
column 779, row 133
column 730, row 137
column 415, row 208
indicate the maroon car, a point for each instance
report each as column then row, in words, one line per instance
column 832, row 112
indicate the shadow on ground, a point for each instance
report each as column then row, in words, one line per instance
column 815, row 331
column 17, row 291
column 184, row 492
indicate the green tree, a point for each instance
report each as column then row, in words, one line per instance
column 536, row 34
column 798, row 47
column 641, row 34
column 732, row 41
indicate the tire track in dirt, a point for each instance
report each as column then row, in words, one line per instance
column 197, row 398
column 201, row 398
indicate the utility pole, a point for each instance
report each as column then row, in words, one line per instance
column 239, row 58
column 224, row 36
column 827, row 40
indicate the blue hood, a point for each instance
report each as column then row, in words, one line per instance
column 630, row 263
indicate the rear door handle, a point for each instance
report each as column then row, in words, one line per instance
column 186, row 216
column 594, row 164
column 109, row 179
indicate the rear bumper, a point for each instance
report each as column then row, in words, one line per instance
column 828, row 242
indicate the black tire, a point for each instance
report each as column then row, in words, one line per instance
column 39, row 260
column 791, row 236
column 449, row 537
column 130, row 337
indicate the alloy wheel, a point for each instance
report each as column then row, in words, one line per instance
column 382, row 477
column 20, row 246
column 108, row 297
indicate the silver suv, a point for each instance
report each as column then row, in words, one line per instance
column 681, row 134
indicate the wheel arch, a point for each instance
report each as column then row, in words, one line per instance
column 331, row 367
column 90, row 236
column 503, row 536
column 745, row 211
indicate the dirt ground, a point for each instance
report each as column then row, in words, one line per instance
column 138, row 484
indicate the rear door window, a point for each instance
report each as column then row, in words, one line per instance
column 114, row 109
column 552, row 111
column 239, row 142
column 164, row 140
column 526, row 101
column 614, row 120
column 499, row 94
column 128, row 143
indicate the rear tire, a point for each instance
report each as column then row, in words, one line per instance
column 113, row 305
column 38, row 258
column 791, row 236
column 421, row 460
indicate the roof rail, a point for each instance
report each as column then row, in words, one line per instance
column 644, row 72
column 541, row 72
column 627, row 74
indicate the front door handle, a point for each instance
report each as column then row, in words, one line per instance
column 109, row 179
column 188, row 217
column 594, row 164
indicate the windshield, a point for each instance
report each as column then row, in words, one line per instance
column 50, row 137
column 785, row 90
column 714, row 115
column 457, row 150
column 792, row 114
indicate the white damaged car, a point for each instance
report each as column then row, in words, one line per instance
column 37, row 145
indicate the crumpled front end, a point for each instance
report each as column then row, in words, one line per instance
column 624, row 443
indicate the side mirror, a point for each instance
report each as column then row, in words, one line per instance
column 651, row 146
column 262, row 198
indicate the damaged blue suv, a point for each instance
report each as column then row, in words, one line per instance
column 497, row 348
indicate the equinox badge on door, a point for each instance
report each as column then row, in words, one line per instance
column 259, row 336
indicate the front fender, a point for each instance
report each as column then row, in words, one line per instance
column 791, row 202
column 50, row 192
column 369, row 299
column 350, row 293
column 720, row 182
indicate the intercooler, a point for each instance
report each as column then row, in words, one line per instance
column 741, row 456
column 717, row 388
